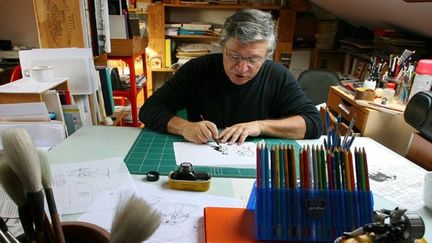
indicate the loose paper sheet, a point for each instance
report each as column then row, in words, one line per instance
column 182, row 213
column 211, row 154
column 90, row 186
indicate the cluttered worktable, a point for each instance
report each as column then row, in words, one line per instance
column 395, row 181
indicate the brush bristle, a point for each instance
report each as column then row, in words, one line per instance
column 24, row 160
column 134, row 221
column 46, row 170
column 12, row 184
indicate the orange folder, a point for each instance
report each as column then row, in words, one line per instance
column 229, row 225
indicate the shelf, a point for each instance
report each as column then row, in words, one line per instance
column 223, row 6
column 161, row 70
column 209, row 37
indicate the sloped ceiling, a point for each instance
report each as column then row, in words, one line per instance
column 415, row 17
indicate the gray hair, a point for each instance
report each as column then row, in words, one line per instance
column 250, row 25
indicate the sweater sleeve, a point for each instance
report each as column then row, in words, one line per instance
column 292, row 101
column 165, row 102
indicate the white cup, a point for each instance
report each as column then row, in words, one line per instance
column 427, row 189
column 40, row 73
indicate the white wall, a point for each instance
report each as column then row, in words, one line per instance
column 18, row 22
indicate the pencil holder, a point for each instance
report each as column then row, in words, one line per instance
column 310, row 194
column 309, row 215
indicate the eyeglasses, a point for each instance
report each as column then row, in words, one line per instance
column 249, row 60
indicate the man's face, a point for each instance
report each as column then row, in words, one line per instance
column 242, row 61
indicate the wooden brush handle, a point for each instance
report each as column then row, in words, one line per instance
column 55, row 218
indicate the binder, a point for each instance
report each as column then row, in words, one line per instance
column 168, row 53
column 105, row 78
column 229, row 225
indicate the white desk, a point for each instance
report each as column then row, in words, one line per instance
column 91, row 143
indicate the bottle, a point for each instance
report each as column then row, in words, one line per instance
column 423, row 77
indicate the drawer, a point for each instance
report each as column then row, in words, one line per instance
column 346, row 108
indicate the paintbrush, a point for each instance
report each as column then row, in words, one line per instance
column 13, row 187
column 24, row 160
column 47, row 185
column 134, row 221
column 9, row 236
column 3, row 238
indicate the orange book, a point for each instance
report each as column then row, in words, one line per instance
column 229, row 225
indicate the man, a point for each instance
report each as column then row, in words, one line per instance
column 239, row 90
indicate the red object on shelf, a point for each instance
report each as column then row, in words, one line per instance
column 132, row 92
column 16, row 73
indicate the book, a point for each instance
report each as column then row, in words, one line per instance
column 106, row 85
column 72, row 116
column 229, row 225
column 168, row 53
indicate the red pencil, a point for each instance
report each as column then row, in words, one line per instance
column 306, row 167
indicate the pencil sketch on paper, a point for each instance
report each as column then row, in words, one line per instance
column 85, row 186
column 175, row 219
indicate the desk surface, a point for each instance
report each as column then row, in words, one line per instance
column 91, row 143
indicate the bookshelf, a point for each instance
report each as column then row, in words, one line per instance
column 160, row 14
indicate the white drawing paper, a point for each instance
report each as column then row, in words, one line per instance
column 211, row 154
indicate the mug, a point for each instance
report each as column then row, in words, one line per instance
column 40, row 73
column 427, row 189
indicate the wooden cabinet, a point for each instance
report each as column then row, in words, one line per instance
column 389, row 129
column 160, row 14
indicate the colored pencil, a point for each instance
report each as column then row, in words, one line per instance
column 293, row 167
column 366, row 170
column 286, row 163
column 258, row 166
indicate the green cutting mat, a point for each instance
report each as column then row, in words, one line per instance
column 155, row 151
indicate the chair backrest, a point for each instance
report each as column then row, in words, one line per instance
column 316, row 83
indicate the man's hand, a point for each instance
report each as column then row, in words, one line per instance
column 199, row 132
column 239, row 132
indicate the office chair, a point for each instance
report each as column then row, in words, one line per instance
column 316, row 83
